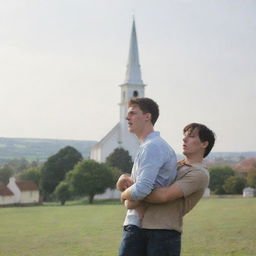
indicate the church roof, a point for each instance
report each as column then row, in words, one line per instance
column 108, row 135
column 133, row 73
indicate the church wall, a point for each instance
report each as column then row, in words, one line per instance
column 112, row 141
column 110, row 144
column 96, row 153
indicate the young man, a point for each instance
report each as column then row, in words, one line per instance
column 170, row 204
column 154, row 166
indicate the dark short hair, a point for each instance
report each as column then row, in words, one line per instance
column 147, row 105
column 204, row 133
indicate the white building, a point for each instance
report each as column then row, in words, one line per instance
column 25, row 191
column 6, row 196
column 249, row 192
column 133, row 86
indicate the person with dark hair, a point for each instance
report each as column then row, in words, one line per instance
column 154, row 166
column 204, row 133
column 167, row 206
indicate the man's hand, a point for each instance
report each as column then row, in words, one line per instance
column 124, row 182
column 126, row 195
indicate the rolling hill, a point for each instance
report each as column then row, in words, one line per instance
column 39, row 149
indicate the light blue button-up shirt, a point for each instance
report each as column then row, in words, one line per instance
column 154, row 166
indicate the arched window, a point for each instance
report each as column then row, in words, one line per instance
column 135, row 94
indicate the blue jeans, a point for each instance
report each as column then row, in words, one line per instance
column 149, row 242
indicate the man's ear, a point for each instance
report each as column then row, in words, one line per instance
column 205, row 144
column 148, row 116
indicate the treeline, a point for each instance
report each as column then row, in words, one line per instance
column 226, row 180
column 66, row 175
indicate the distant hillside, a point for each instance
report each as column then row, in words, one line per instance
column 232, row 155
column 226, row 158
column 229, row 158
column 39, row 149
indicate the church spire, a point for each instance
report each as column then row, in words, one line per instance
column 133, row 73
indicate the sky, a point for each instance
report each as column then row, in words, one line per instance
column 62, row 61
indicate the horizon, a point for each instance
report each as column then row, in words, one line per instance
column 75, row 140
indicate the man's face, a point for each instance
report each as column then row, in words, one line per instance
column 136, row 119
column 192, row 144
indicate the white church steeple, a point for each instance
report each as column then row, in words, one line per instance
column 133, row 86
column 133, row 73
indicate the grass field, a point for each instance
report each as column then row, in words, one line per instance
column 216, row 227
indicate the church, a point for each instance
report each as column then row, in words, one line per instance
column 133, row 86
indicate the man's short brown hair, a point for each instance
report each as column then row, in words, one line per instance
column 146, row 105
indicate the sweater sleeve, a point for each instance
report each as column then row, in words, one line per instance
column 193, row 181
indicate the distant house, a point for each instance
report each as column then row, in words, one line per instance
column 249, row 192
column 6, row 196
column 25, row 191
column 108, row 194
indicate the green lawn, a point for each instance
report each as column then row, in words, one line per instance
column 216, row 227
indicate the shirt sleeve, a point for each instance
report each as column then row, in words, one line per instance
column 151, row 160
column 193, row 181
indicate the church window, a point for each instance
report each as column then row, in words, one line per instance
column 135, row 94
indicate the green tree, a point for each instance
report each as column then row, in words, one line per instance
column 251, row 177
column 56, row 167
column 120, row 159
column 90, row 178
column 218, row 176
column 32, row 173
column 234, row 185
column 62, row 192
column 5, row 173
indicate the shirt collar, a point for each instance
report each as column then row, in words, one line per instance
column 151, row 136
column 182, row 163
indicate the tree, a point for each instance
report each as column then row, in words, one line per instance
column 251, row 178
column 120, row 159
column 234, row 185
column 56, row 167
column 90, row 178
column 62, row 192
column 218, row 176
column 5, row 173
column 32, row 173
